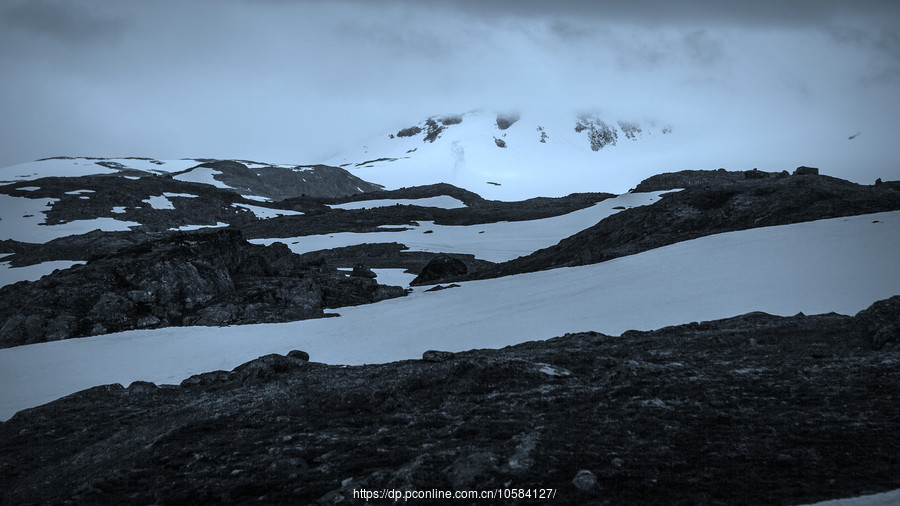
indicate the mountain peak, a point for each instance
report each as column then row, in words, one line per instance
column 510, row 155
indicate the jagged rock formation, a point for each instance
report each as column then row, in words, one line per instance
column 200, row 278
column 700, row 413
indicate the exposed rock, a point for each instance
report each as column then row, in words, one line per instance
column 361, row 271
column 584, row 480
column 199, row 278
column 440, row 267
column 880, row 323
column 299, row 355
column 442, row 287
column 656, row 417
column 806, row 171
column 437, row 356
column 702, row 210
column 505, row 121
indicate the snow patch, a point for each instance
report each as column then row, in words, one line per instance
column 10, row 275
column 185, row 228
column 264, row 213
column 442, row 201
column 203, row 175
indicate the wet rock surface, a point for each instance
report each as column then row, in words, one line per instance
column 755, row 409
column 211, row 277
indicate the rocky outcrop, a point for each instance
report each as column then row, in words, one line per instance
column 804, row 404
column 199, row 278
column 702, row 210
column 440, row 267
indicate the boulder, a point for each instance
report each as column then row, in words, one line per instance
column 806, row 171
column 440, row 267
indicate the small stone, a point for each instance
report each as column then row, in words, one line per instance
column 584, row 480
column 299, row 355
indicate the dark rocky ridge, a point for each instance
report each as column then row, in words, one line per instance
column 210, row 277
column 279, row 183
column 320, row 219
column 726, row 204
column 755, row 409
column 386, row 255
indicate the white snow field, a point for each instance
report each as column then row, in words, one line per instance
column 496, row 242
column 441, row 201
column 10, row 275
column 467, row 155
column 203, row 175
column 265, row 213
column 75, row 167
column 891, row 498
column 841, row 265
column 22, row 219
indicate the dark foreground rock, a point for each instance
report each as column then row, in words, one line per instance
column 200, row 278
column 755, row 409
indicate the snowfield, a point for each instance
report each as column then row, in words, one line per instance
column 22, row 219
column 441, row 201
column 468, row 155
column 840, row 265
column 10, row 275
column 76, row 167
column 496, row 242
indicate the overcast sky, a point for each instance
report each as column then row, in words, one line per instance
column 296, row 81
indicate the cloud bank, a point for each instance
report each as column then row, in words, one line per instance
column 766, row 84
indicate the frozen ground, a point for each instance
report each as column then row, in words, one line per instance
column 840, row 265
column 496, row 242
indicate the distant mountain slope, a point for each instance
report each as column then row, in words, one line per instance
column 514, row 156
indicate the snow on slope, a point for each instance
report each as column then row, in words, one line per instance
column 441, row 201
column 467, row 155
column 841, row 265
column 22, row 219
column 891, row 498
column 76, row 167
column 496, row 242
column 10, row 275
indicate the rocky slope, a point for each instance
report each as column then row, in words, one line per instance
column 718, row 202
column 204, row 277
column 754, row 409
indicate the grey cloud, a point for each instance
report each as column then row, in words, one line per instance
column 702, row 48
column 63, row 21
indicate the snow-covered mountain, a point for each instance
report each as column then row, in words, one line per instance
column 162, row 299
column 514, row 156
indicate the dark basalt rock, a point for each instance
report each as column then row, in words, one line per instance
column 440, row 267
column 805, row 405
column 199, row 278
